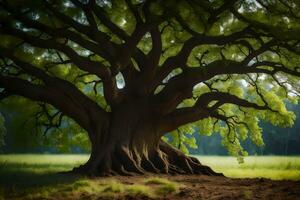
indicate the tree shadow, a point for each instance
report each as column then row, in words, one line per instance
column 25, row 176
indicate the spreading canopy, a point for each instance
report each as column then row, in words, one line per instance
column 223, row 64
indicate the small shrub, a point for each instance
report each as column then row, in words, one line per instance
column 81, row 183
column 113, row 187
column 167, row 189
column 165, row 186
column 139, row 190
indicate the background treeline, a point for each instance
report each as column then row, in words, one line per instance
column 277, row 141
column 25, row 133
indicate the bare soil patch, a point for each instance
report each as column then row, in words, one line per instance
column 216, row 188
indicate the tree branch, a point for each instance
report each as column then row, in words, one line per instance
column 198, row 39
column 83, row 63
column 201, row 110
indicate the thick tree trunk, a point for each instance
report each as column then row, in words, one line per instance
column 130, row 144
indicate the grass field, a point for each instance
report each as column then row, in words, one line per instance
column 28, row 175
column 272, row 167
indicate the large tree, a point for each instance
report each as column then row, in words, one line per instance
column 131, row 71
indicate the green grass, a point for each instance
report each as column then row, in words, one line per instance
column 166, row 186
column 31, row 170
column 272, row 167
column 140, row 190
column 36, row 177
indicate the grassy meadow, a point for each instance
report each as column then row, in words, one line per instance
column 272, row 167
column 35, row 176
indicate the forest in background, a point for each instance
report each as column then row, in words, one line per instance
column 277, row 140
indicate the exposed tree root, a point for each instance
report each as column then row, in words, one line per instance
column 164, row 159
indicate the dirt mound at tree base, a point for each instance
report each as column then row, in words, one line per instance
column 215, row 188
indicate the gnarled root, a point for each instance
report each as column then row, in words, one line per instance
column 164, row 159
column 180, row 163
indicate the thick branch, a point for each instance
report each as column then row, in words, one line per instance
column 107, row 51
column 101, row 15
column 201, row 110
column 83, row 63
column 55, row 91
column 198, row 39
column 45, row 94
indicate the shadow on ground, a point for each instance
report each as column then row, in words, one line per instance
column 24, row 176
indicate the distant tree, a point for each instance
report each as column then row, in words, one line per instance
column 277, row 140
column 26, row 127
column 282, row 141
column 129, row 72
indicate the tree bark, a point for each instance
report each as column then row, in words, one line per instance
column 130, row 143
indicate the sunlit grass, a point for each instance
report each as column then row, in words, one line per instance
column 140, row 190
column 166, row 186
column 66, row 160
column 39, row 163
column 272, row 167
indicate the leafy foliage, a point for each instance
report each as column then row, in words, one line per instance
column 26, row 130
